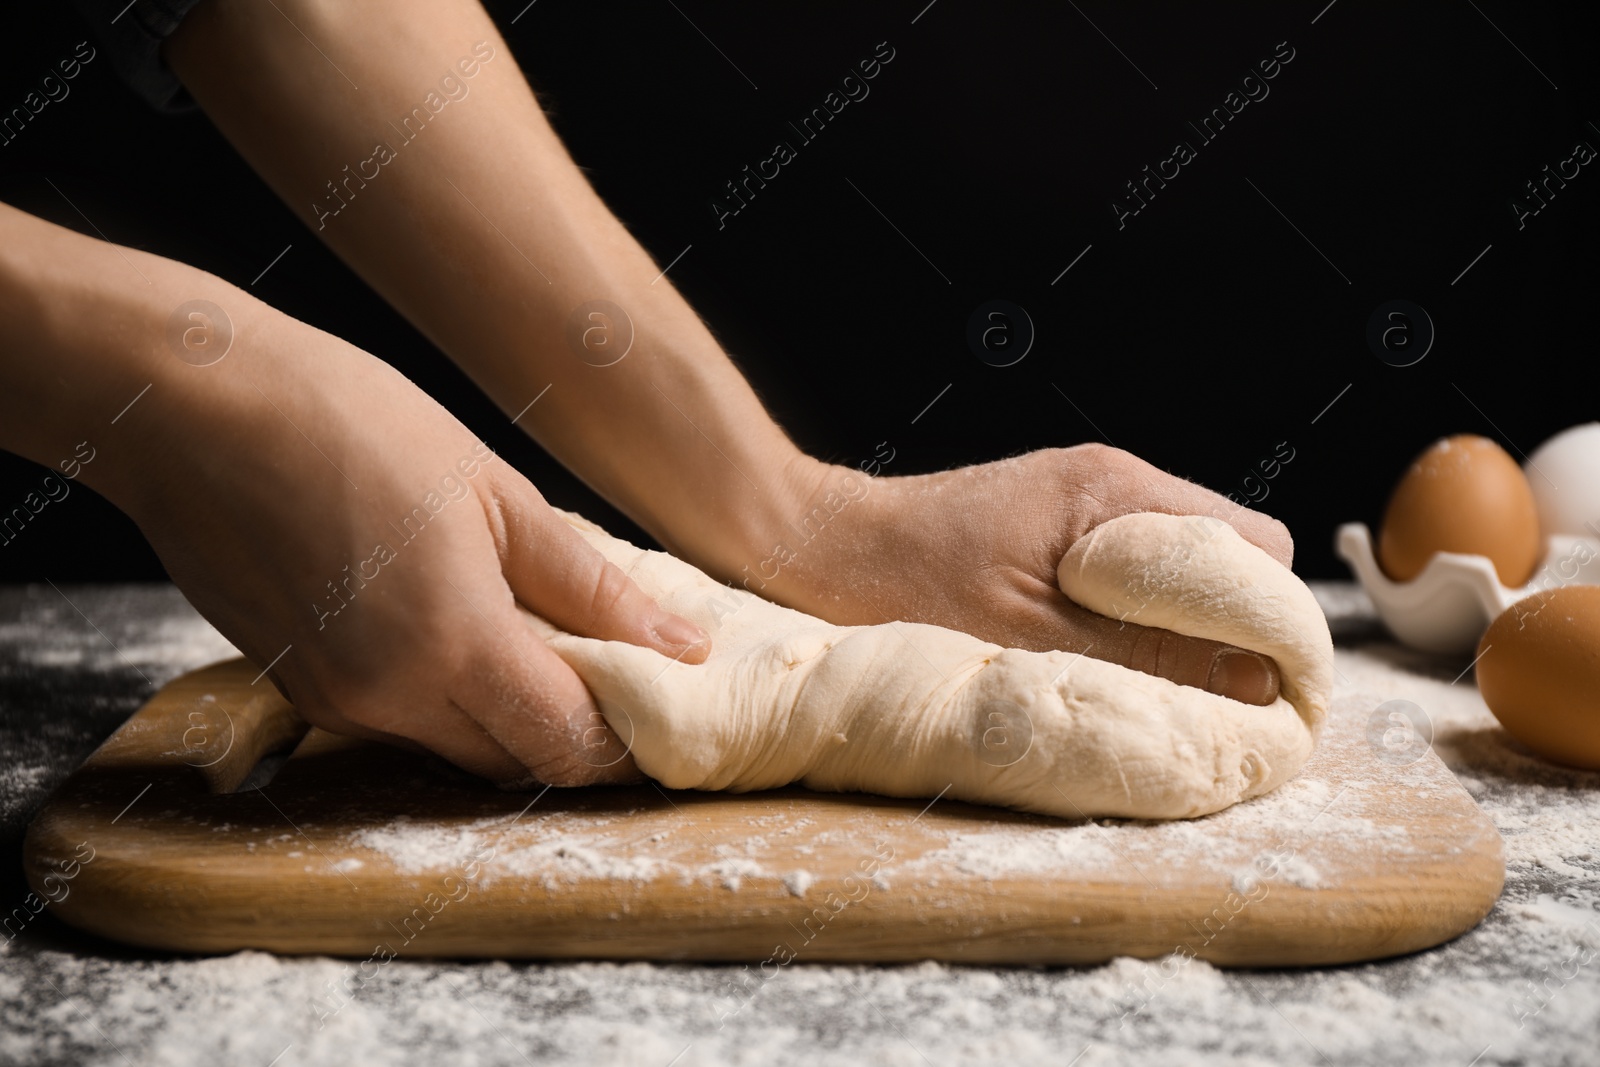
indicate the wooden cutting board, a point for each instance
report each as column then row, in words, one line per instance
column 360, row 850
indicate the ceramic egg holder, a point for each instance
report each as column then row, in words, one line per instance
column 1451, row 603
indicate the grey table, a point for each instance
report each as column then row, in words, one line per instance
column 1521, row 989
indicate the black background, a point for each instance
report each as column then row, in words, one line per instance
column 1200, row 336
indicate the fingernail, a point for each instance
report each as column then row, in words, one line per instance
column 678, row 631
column 1243, row 676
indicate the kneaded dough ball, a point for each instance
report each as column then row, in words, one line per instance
column 911, row 710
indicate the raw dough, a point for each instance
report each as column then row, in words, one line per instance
column 911, row 710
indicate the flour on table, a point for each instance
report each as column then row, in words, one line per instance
column 1496, row 994
column 797, row 882
column 118, row 640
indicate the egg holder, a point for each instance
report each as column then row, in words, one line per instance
column 1448, row 606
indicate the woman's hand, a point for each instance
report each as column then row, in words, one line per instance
column 337, row 524
column 976, row 549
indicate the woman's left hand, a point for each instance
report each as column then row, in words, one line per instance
column 976, row 549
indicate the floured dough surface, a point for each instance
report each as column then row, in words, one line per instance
column 911, row 710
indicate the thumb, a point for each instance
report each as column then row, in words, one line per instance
column 559, row 576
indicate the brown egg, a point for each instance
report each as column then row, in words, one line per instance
column 1464, row 494
column 1539, row 672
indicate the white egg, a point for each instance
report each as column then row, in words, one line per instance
column 1564, row 473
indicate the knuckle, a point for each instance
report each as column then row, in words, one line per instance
column 1108, row 457
column 1173, row 656
column 494, row 508
column 1285, row 539
column 1146, row 649
column 1089, row 456
column 1101, row 474
column 612, row 590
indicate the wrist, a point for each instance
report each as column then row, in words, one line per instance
column 728, row 526
column 796, row 546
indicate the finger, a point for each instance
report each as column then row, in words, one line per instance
column 1163, row 492
column 1261, row 530
column 447, row 732
column 1226, row 670
column 536, row 707
column 561, row 577
column 450, row 733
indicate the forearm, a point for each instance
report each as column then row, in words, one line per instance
column 143, row 377
column 474, row 222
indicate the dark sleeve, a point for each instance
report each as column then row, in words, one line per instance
column 131, row 32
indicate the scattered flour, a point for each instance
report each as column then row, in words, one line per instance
column 1296, row 870
column 731, row 873
column 52, row 634
column 1522, row 988
column 547, row 850
column 797, row 882
column 18, row 785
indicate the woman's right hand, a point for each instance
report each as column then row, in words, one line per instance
column 357, row 542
